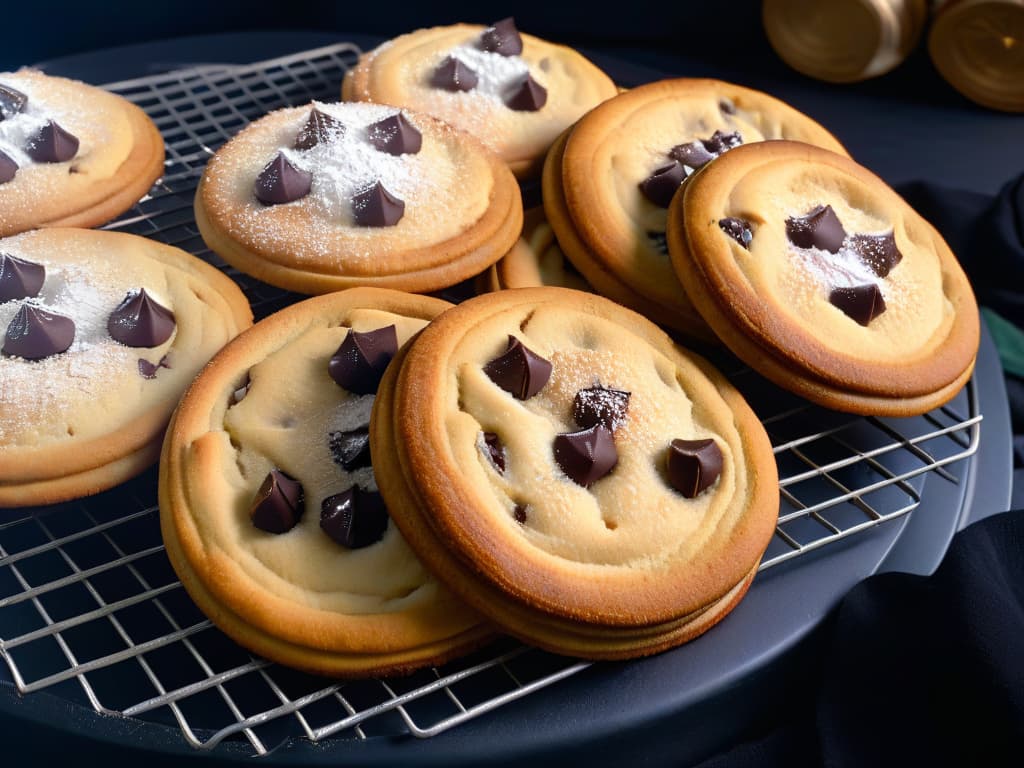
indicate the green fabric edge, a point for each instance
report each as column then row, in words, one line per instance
column 1009, row 340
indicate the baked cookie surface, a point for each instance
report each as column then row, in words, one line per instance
column 71, row 154
column 627, row 157
column 269, row 504
column 473, row 77
column 330, row 196
column 819, row 276
column 103, row 331
column 534, row 261
column 525, row 443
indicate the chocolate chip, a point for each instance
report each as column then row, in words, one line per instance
column 599, row 405
column 722, row 142
column 738, row 229
column 527, row 95
column 502, row 37
column 395, row 135
column 51, row 144
column 862, row 303
column 281, row 182
column 820, row 228
column 659, row 241
column 454, row 75
column 519, row 371
column 495, row 451
column 694, row 155
column 376, row 207
column 879, row 252
column 355, row 518
column 34, row 333
column 8, row 168
column 12, row 101
column 19, row 279
column 350, row 450
column 586, row 456
column 519, row 513
column 360, row 361
column 277, row 505
column 139, row 321
column 148, row 370
column 693, row 465
column 727, row 107
column 319, row 127
column 663, row 183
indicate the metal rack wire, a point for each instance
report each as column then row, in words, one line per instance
column 91, row 610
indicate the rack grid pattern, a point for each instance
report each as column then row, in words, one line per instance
column 91, row 610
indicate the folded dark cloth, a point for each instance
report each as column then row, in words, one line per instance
column 918, row 670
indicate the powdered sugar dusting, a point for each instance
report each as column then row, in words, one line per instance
column 496, row 73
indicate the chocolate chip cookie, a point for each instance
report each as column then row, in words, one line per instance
column 330, row 196
column 101, row 333
column 572, row 474
column 513, row 91
column 71, row 154
column 269, row 503
column 820, row 277
column 627, row 157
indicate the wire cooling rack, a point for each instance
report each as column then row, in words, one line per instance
column 91, row 610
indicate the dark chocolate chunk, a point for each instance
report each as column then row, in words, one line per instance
column 727, row 107
column 281, row 182
column 738, row 229
column 139, row 321
column 350, row 450
column 8, row 168
column 51, row 144
column 527, row 95
column 820, row 228
column 659, row 241
column 586, row 456
column 694, row 155
column 598, row 405
column 355, row 518
column 359, row 362
column 877, row 251
column 863, row 303
column 319, row 127
column 519, row 371
column 277, row 505
column 376, row 207
column 663, row 183
column 519, row 513
column 693, row 465
column 12, row 101
column 19, row 279
column 454, row 75
column 34, row 333
column 395, row 135
column 502, row 37
column 148, row 370
column 495, row 451
column 722, row 142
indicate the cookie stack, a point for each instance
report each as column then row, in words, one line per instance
column 572, row 474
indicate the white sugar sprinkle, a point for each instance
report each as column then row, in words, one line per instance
column 496, row 73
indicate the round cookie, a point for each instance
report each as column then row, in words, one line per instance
column 71, row 154
column 627, row 157
column 329, row 196
column 524, row 447
column 268, row 502
column 535, row 260
column 514, row 91
column 819, row 276
column 102, row 332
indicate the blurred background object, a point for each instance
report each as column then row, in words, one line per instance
column 978, row 47
column 843, row 41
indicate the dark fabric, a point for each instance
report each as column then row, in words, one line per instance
column 918, row 670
